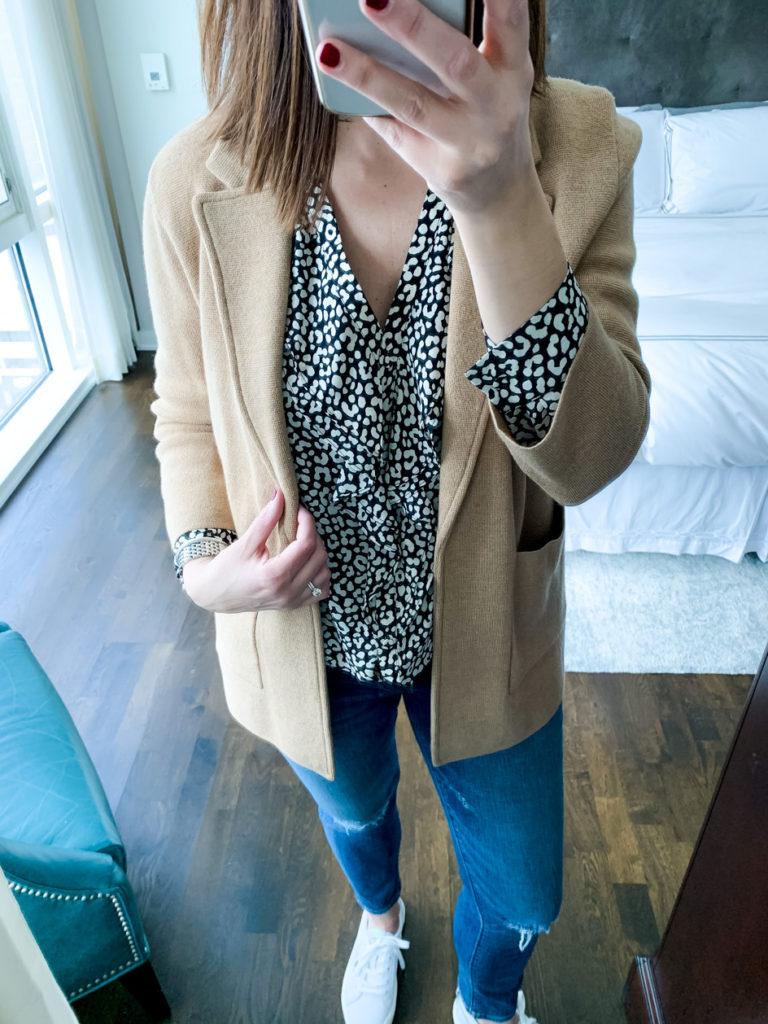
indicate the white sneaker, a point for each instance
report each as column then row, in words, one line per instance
column 369, row 989
column 461, row 1014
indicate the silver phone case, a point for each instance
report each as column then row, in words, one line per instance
column 344, row 20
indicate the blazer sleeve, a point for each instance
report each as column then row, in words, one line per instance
column 191, row 476
column 603, row 412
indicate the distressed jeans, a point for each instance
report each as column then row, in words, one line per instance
column 504, row 812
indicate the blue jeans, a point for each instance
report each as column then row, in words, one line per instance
column 504, row 812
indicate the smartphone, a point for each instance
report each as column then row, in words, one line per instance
column 344, row 20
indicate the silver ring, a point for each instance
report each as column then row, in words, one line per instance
column 316, row 591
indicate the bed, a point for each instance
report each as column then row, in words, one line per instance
column 699, row 484
column 693, row 75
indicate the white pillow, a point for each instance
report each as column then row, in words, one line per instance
column 650, row 167
column 718, row 161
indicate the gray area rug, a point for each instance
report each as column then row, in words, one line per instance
column 638, row 612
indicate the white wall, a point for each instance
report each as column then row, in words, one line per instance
column 148, row 119
column 28, row 989
column 136, row 123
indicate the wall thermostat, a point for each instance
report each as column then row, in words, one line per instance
column 155, row 68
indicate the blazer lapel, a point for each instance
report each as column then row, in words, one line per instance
column 249, row 255
column 465, row 407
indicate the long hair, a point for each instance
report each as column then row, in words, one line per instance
column 262, row 97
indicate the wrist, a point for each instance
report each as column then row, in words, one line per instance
column 499, row 192
column 193, row 573
column 519, row 202
column 515, row 256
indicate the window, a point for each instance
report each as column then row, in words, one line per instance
column 24, row 362
column 44, row 373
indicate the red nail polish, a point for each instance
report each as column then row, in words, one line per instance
column 377, row 5
column 330, row 56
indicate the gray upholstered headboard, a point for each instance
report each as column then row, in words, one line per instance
column 680, row 53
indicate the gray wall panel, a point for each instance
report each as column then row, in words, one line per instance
column 675, row 52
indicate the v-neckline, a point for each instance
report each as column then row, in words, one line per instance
column 356, row 290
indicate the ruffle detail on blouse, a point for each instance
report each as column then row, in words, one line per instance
column 360, row 477
column 364, row 408
column 384, row 459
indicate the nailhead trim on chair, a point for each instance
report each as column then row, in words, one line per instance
column 26, row 890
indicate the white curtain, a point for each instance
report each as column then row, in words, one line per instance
column 28, row 991
column 47, row 39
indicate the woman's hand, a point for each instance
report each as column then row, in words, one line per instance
column 243, row 578
column 473, row 148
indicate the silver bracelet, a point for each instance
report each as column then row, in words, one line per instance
column 199, row 543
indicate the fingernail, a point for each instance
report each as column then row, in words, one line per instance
column 330, row 56
column 377, row 5
column 274, row 495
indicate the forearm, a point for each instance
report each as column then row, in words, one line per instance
column 515, row 256
column 524, row 375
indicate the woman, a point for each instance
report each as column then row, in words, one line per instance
column 367, row 432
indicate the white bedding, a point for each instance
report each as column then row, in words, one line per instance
column 713, row 259
column 706, row 348
column 675, row 510
column 670, row 316
column 709, row 402
column 699, row 484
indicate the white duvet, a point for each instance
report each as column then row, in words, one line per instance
column 703, row 332
column 699, row 484
column 709, row 402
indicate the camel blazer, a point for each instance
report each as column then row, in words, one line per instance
column 218, row 266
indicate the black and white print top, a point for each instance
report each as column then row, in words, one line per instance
column 363, row 407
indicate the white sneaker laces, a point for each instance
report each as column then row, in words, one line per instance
column 374, row 965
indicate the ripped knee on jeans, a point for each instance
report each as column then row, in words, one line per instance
column 349, row 826
column 527, row 934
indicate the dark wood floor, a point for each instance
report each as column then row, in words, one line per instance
column 248, row 915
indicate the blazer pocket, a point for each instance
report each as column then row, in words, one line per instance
column 236, row 647
column 539, row 601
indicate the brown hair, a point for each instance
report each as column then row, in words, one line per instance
column 262, row 96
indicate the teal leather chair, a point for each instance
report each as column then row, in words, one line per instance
column 60, row 847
